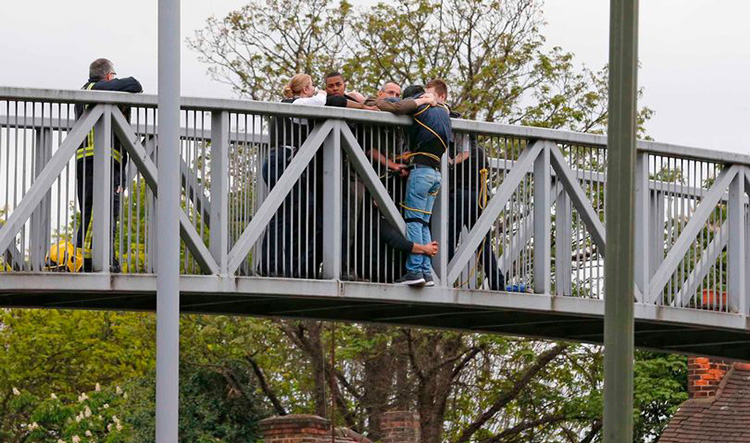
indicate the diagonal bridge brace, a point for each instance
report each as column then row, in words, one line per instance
column 275, row 198
column 48, row 175
column 363, row 167
column 146, row 166
column 691, row 230
column 494, row 207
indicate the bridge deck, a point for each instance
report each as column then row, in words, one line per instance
column 660, row 328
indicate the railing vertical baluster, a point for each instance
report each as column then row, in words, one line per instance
column 542, row 221
column 736, row 248
column 439, row 225
column 219, row 233
column 642, row 237
column 102, row 193
column 563, row 240
column 332, row 201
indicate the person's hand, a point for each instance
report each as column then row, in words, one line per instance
column 118, row 190
column 428, row 98
column 401, row 170
column 430, row 249
column 370, row 108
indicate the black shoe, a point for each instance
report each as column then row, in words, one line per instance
column 88, row 265
column 412, row 279
column 428, row 280
column 115, row 267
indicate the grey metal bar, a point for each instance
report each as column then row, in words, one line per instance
column 41, row 218
column 332, row 201
column 39, row 188
column 370, row 117
column 664, row 273
column 563, row 241
column 579, row 198
column 620, row 216
column 493, row 209
column 147, row 168
column 642, row 237
column 101, row 218
column 168, row 252
column 542, row 222
column 273, row 201
column 737, row 284
column 219, row 234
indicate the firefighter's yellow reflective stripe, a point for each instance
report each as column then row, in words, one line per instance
column 87, row 239
column 89, row 152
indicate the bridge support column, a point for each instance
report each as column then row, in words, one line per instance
column 168, row 229
column 620, row 217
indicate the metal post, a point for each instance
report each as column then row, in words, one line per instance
column 439, row 226
column 101, row 214
column 219, row 233
column 736, row 247
column 642, row 236
column 542, row 222
column 168, row 230
column 619, row 273
column 332, row 222
column 41, row 218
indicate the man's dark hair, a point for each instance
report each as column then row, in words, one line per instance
column 333, row 74
column 99, row 68
column 439, row 86
column 412, row 90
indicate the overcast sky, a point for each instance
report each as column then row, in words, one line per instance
column 695, row 54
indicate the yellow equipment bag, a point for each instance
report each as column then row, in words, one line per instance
column 64, row 256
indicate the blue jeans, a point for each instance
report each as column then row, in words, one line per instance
column 421, row 189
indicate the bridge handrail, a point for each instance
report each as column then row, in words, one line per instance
column 372, row 117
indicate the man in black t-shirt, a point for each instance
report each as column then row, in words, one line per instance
column 469, row 194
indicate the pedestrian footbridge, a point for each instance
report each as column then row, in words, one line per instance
column 286, row 210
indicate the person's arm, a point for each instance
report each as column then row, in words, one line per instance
column 465, row 142
column 394, row 238
column 406, row 106
column 337, row 101
column 127, row 84
column 318, row 99
column 375, row 154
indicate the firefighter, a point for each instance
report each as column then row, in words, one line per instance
column 102, row 77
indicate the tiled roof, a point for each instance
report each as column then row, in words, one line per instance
column 718, row 419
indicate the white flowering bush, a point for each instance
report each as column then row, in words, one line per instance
column 89, row 417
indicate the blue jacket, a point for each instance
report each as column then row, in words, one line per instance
column 430, row 134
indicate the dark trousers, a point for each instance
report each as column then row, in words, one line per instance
column 292, row 245
column 464, row 210
column 85, row 192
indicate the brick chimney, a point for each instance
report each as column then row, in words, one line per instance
column 400, row 427
column 295, row 429
column 705, row 375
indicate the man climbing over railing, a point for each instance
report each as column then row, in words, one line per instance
column 428, row 141
column 102, row 77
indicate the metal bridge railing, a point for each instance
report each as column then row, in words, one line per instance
column 280, row 190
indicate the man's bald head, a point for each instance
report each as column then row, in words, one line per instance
column 389, row 89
